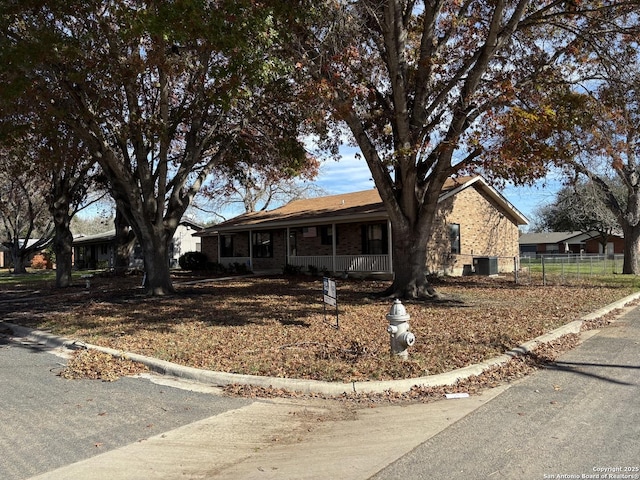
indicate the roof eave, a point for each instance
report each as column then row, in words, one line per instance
column 296, row 222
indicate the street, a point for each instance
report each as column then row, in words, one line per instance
column 579, row 418
column 49, row 421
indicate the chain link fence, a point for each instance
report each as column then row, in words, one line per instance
column 566, row 269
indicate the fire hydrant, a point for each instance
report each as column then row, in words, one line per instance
column 401, row 337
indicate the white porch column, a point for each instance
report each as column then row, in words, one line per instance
column 390, row 246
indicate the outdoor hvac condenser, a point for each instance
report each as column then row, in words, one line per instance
column 485, row 265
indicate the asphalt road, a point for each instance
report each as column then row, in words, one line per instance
column 579, row 418
column 48, row 421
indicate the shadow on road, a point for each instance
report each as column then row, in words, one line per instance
column 580, row 369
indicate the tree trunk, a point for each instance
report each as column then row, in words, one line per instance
column 62, row 240
column 63, row 248
column 631, row 252
column 156, row 267
column 19, row 261
column 409, row 266
column 125, row 241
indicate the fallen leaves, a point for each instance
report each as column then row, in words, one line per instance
column 275, row 326
column 96, row 365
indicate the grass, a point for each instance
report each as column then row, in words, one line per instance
column 35, row 278
column 276, row 326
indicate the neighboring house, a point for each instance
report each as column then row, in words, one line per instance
column 6, row 261
column 550, row 243
column 98, row 251
column 5, row 257
column 351, row 233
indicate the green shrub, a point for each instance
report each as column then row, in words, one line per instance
column 240, row 268
column 292, row 269
column 216, row 268
column 193, row 261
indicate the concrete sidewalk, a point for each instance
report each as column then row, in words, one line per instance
column 579, row 417
column 279, row 439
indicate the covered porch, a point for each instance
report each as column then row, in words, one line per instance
column 337, row 248
column 329, row 263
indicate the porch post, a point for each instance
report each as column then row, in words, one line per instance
column 251, row 250
column 334, row 233
column 287, row 246
column 390, row 245
column 220, row 248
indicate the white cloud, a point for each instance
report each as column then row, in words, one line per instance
column 349, row 174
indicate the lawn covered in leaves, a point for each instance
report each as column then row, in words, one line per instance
column 277, row 326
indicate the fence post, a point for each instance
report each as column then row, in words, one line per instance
column 544, row 277
column 515, row 269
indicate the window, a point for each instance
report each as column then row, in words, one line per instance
column 326, row 235
column 454, row 237
column 262, row 245
column 226, row 246
column 375, row 239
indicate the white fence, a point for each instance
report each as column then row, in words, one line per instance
column 343, row 263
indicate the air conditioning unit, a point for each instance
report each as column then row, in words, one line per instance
column 485, row 265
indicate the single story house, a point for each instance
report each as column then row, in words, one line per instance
column 98, row 251
column 5, row 257
column 553, row 243
column 6, row 260
column 351, row 233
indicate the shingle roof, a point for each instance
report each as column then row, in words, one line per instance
column 363, row 205
column 546, row 237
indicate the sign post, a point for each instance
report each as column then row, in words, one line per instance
column 330, row 297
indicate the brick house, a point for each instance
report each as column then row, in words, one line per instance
column 552, row 243
column 351, row 233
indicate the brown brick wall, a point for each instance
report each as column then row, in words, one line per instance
column 485, row 230
column 209, row 246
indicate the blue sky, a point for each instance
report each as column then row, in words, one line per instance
column 351, row 174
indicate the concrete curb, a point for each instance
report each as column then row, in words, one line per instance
column 316, row 386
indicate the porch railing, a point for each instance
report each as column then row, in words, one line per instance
column 343, row 263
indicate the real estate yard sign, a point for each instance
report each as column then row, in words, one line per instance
column 330, row 297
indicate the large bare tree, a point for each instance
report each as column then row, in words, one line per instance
column 419, row 86
column 26, row 227
column 591, row 128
